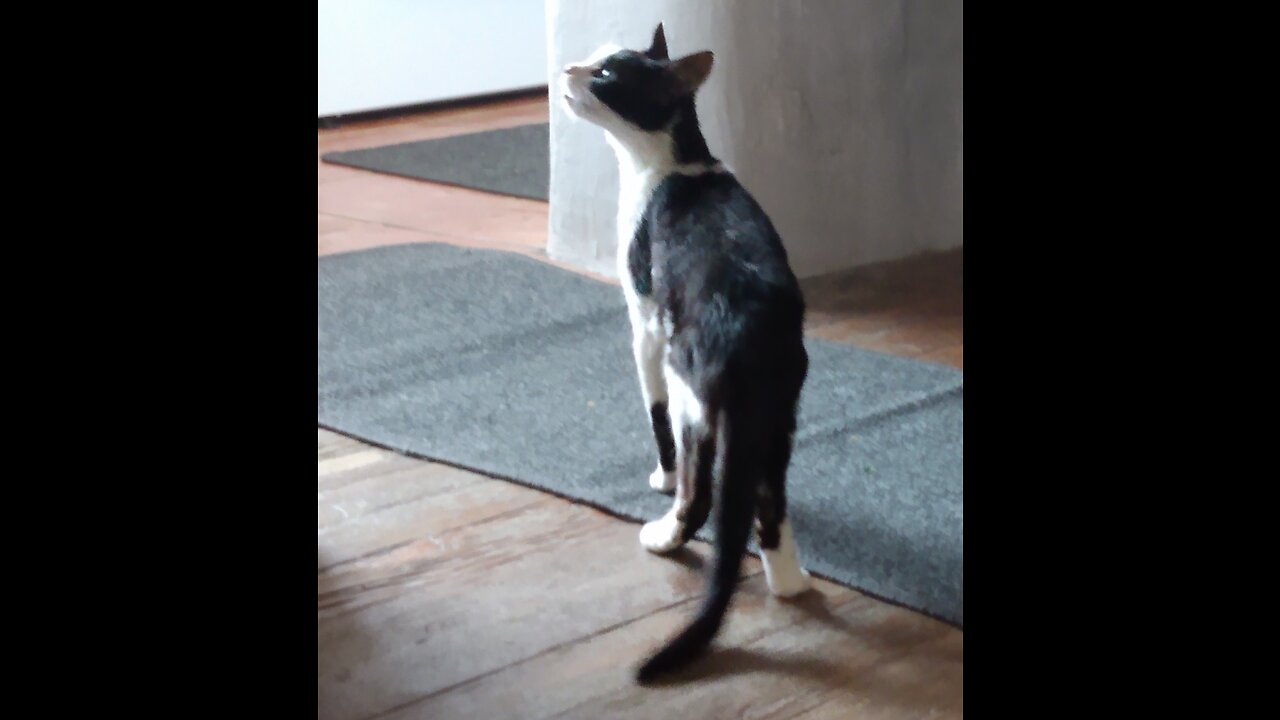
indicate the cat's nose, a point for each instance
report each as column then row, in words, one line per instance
column 575, row 69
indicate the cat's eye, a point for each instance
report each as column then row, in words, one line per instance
column 602, row 73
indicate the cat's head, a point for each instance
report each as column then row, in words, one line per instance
column 620, row 89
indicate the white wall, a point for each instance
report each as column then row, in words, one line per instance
column 843, row 118
column 377, row 54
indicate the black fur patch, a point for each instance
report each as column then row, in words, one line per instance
column 767, row 518
column 700, row 464
column 661, row 421
column 637, row 88
column 690, row 147
column 719, row 270
column 771, row 502
column 639, row 261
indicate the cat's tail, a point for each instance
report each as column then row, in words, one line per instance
column 742, row 436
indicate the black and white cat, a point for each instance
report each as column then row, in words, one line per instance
column 717, row 322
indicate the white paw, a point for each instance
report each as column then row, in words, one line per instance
column 787, row 578
column 662, row 535
column 790, row 584
column 662, row 481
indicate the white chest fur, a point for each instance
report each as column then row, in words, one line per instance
column 635, row 189
column 641, row 167
column 644, row 161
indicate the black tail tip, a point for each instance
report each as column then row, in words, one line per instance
column 659, row 664
column 647, row 674
column 668, row 661
column 655, row 668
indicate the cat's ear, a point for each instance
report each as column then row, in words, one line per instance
column 692, row 70
column 658, row 48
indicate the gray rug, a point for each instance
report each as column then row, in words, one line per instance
column 523, row 371
column 512, row 161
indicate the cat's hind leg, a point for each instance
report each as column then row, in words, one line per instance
column 777, row 544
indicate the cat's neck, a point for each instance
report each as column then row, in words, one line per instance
column 686, row 134
column 679, row 147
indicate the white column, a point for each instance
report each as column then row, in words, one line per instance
column 844, row 119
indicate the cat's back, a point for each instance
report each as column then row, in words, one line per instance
column 713, row 199
column 721, row 278
column 709, row 222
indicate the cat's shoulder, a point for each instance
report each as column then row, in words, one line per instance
column 712, row 187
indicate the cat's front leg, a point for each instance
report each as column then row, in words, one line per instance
column 695, row 459
column 649, row 349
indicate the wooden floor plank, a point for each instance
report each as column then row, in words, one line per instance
column 573, row 678
column 437, row 209
column 411, row 502
column 452, row 604
column 849, row 654
column 427, row 126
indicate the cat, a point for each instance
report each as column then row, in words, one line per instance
column 717, row 319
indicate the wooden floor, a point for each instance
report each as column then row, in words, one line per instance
column 445, row 594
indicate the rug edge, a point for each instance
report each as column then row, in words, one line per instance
column 959, row 625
